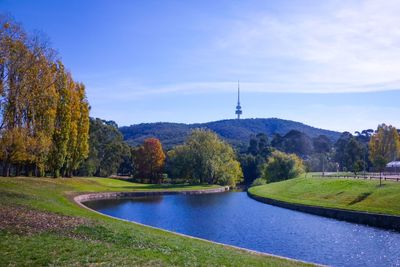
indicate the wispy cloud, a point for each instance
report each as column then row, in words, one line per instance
column 350, row 48
column 134, row 91
column 346, row 47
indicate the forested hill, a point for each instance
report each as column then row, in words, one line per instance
column 236, row 132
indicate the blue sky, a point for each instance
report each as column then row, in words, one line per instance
column 330, row 64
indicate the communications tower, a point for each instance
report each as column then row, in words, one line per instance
column 238, row 107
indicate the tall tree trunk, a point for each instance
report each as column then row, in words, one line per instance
column 56, row 173
column 6, row 168
column 17, row 170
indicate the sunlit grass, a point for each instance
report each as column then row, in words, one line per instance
column 105, row 241
column 353, row 194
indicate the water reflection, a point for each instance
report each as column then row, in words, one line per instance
column 111, row 203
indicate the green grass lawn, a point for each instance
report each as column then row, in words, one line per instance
column 352, row 194
column 94, row 239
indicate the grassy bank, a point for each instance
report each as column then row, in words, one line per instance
column 352, row 194
column 40, row 225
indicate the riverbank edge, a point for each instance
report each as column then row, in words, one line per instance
column 80, row 199
column 385, row 221
column 121, row 195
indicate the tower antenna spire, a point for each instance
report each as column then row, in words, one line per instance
column 238, row 92
column 238, row 107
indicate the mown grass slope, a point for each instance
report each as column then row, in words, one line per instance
column 352, row 194
column 41, row 226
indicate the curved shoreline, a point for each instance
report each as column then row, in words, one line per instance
column 390, row 222
column 120, row 195
column 80, row 199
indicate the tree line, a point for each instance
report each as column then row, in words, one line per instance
column 44, row 121
column 45, row 129
column 205, row 158
column 366, row 150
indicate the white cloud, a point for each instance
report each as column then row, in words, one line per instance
column 348, row 49
column 350, row 46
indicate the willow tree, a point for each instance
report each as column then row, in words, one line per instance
column 205, row 158
column 282, row 166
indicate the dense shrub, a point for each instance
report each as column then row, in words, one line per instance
column 258, row 181
column 282, row 166
column 204, row 158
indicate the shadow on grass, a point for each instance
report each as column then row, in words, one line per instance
column 360, row 198
column 6, row 194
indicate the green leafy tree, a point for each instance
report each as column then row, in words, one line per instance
column 358, row 167
column 258, row 151
column 295, row 142
column 257, row 182
column 179, row 163
column 259, row 146
column 126, row 168
column 348, row 151
column 364, row 138
column 322, row 144
column 107, row 149
column 322, row 148
column 251, row 167
column 205, row 158
column 282, row 166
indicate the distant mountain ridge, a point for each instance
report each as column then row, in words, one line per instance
column 236, row 132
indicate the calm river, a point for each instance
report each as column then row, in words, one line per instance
column 234, row 218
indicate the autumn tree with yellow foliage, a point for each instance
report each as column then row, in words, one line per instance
column 384, row 146
column 44, row 122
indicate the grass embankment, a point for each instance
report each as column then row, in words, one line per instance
column 41, row 225
column 351, row 194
